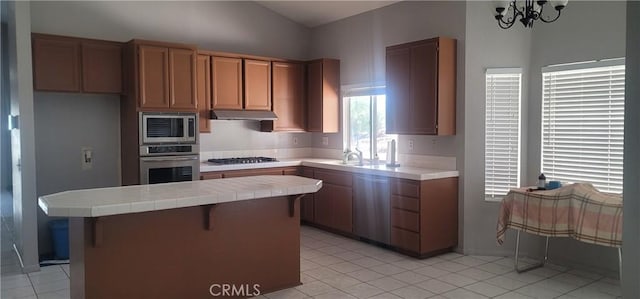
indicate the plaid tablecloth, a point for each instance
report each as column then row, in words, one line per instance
column 579, row 211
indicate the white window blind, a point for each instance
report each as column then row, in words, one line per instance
column 502, row 132
column 583, row 123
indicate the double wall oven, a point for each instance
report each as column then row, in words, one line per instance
column 169, row 149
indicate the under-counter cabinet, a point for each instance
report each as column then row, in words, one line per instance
column 333, row 203
column 307, row 202
column 203, row 91
column 69, row 64
column 421, row 87
column 424, row 215
column 288, row 98
column 166, row 77
column 208, row 175
column 323, row 96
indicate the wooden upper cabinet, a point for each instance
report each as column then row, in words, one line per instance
column 101, row 67
column 398, row 89
column 288, row 97
column 323, row 96
column 257, row 85
column 182, row 78
column 203, row 91
column 227, row 83
column 421, row 83
column 56, row 64
column 154, row 76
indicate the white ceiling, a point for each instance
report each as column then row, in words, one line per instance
column 316, row 13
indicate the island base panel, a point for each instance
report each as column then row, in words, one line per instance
column 181, row 253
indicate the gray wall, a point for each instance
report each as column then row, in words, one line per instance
column 360, row 41
column 22, row 139
column 234, row 26
column 631, row 229
column 488, row 46
column 586, row 31
column 64, row 123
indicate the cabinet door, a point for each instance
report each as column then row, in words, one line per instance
column 227, row 83
column 288, row 98
column 314, row 97
column 154, row 76
column 333, row 207
column 424, row 97
column 101, row 67
column 56, row 64
column 398, row 100
column 371, row 208
column 203, row 91
column 307, row 202
column 182, row 78
column 257, row 85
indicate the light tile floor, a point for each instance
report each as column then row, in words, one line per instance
column 336, row 267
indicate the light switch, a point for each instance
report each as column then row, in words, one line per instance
column 87, row 158
column 411, row 144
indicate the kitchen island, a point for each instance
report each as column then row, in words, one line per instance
column 236, row 236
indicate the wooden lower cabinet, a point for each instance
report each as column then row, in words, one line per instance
column 307, row 202
column 424, row 215
column 333, row 204
column 247, row 172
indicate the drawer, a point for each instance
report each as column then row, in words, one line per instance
column 252, row 172
column 405, row 188
column 334, row 177
column 291, row 171
column 405, row 203
column 210, row 175
column 405, row 239
column 405, row 220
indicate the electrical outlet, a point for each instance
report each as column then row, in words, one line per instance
column 295, row 140
column 325, row 140
column 411, row 144
column 433, row 141
column 87, row 158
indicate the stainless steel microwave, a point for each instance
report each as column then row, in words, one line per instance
column 169, row 127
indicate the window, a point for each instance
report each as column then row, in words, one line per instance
column 364, row 121
column 583, row 123
column 502, row 132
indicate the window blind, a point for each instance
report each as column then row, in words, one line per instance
column 583, row 124
column 502, row 132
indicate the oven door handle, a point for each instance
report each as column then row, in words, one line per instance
column 164, row 159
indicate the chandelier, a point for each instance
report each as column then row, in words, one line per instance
column 528, row 10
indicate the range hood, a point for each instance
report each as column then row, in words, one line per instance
column 243, row 115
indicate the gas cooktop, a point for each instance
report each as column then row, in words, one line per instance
column 243, row 160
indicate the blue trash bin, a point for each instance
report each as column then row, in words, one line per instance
column 60, row 235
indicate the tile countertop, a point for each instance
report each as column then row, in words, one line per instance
column 144, row 198
column 404, row 172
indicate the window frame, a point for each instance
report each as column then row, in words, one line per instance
column 518, row 164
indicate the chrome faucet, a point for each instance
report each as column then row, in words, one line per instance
column 348, row 154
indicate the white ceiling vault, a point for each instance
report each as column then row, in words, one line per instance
column 316, row 13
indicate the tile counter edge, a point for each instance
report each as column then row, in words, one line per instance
column 144, row 198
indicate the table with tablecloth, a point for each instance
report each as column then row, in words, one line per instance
column 578, row 211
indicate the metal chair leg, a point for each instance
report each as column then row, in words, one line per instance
column 620, row 262
column 534, row 266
